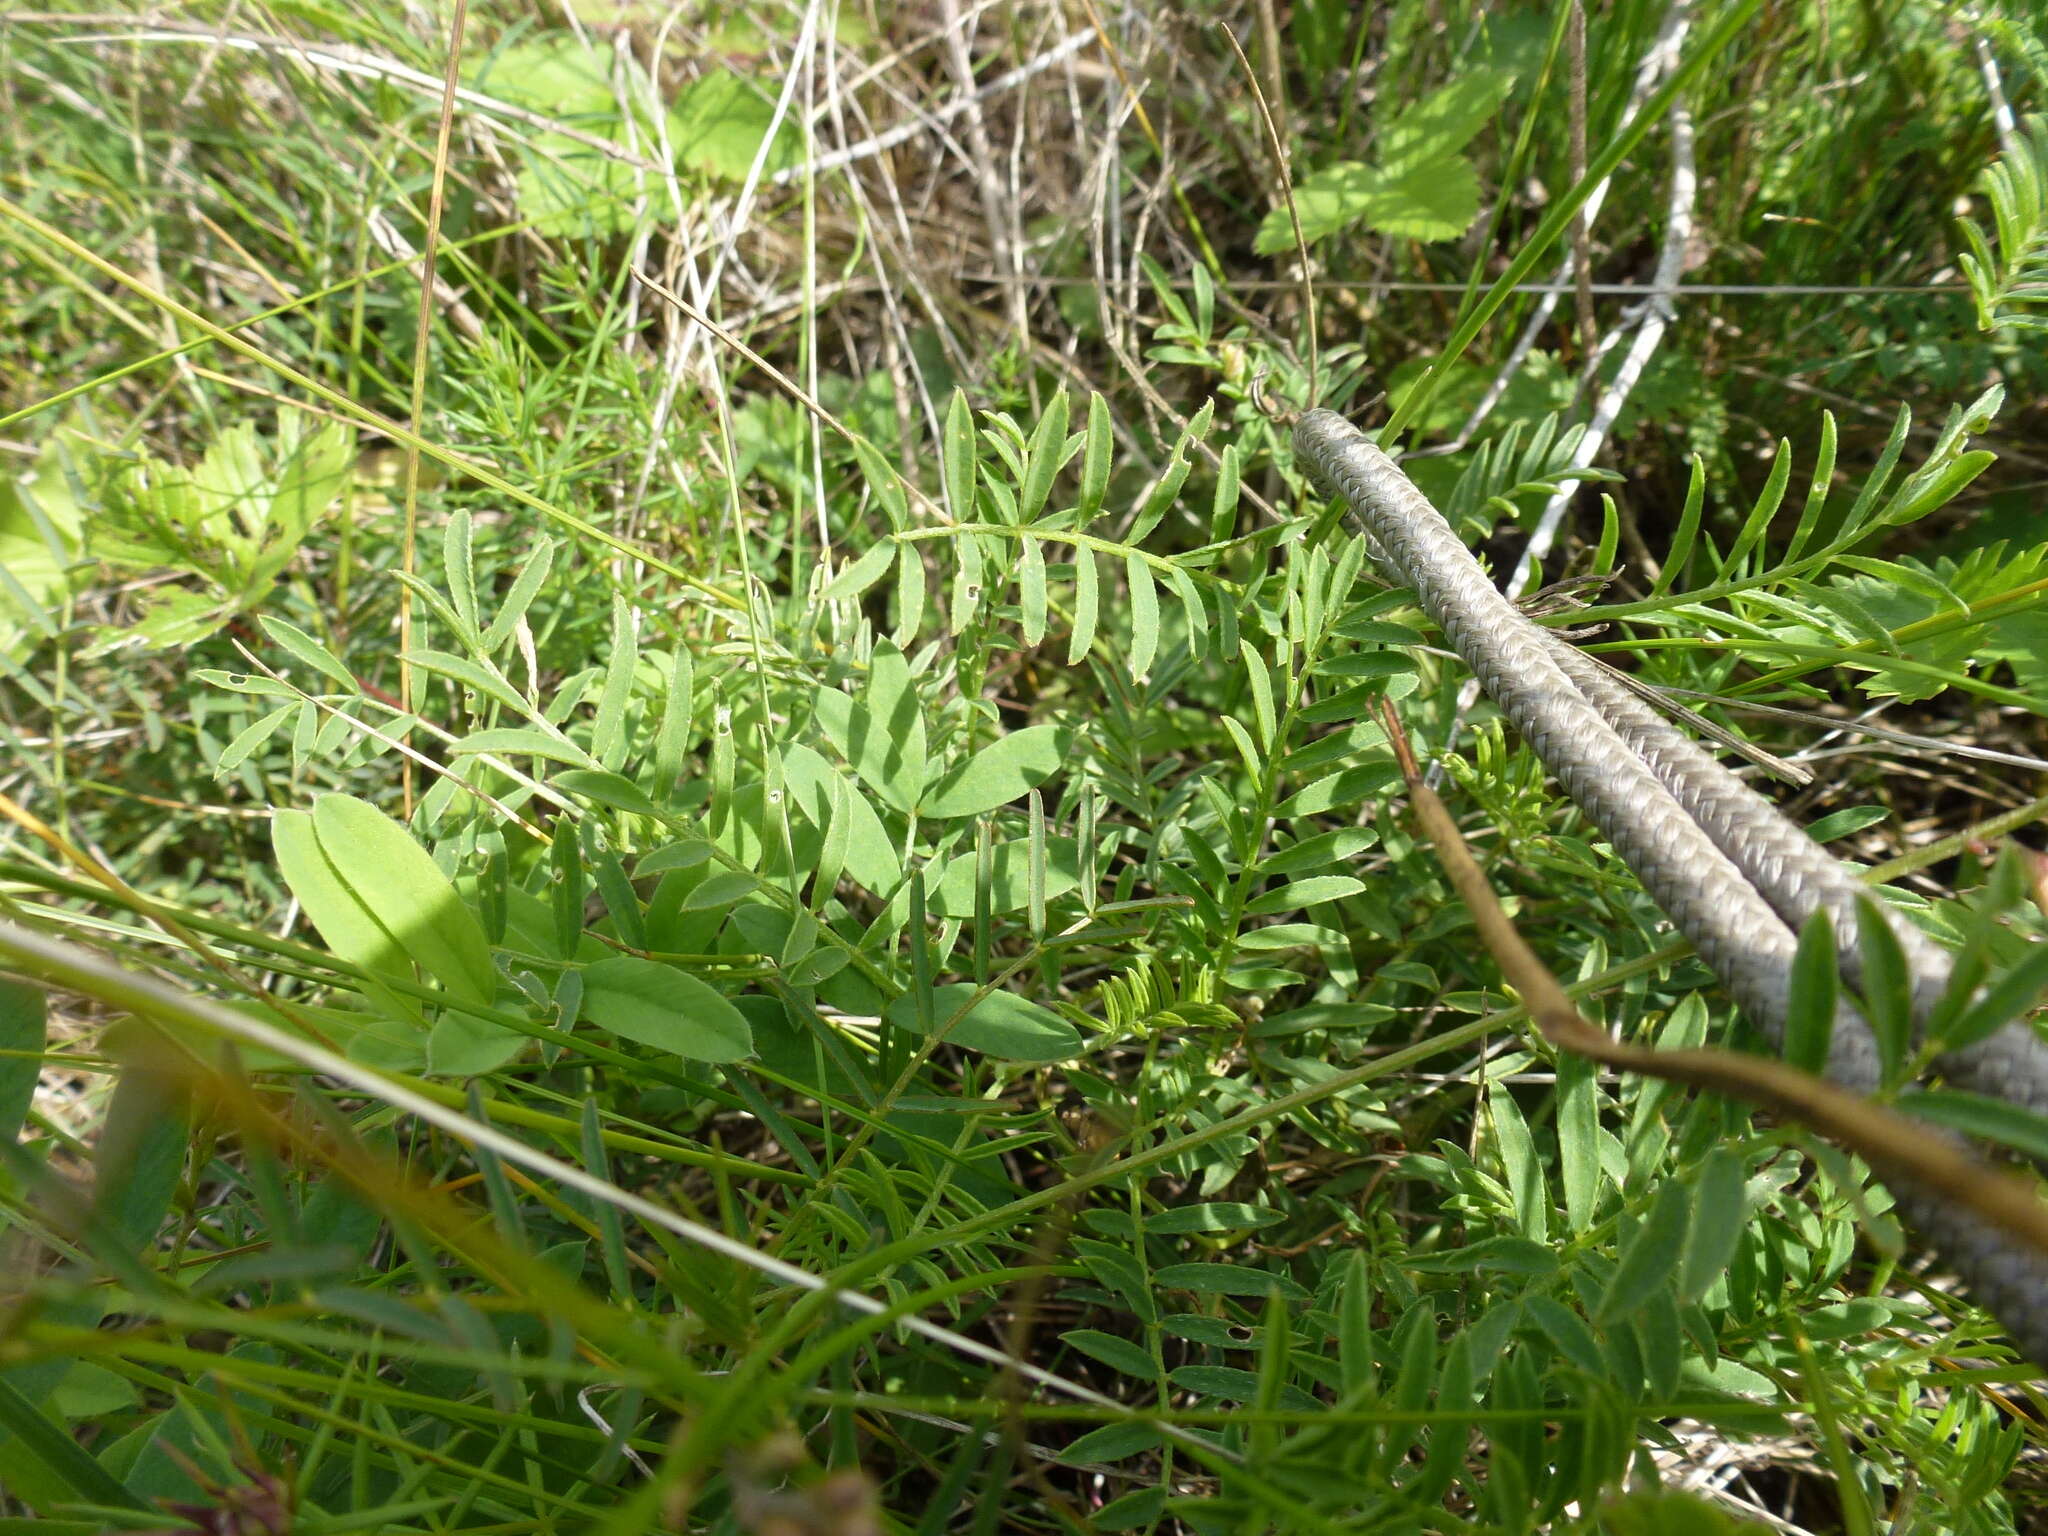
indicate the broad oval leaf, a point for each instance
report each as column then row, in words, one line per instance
column 1008, row 767
column 660, row 1006
column 407, row 895
column 1002, row 1024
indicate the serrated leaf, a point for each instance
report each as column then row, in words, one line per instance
column 668, row 1009
column 1444, row 121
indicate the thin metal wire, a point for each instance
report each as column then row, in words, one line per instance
column 1731, row 871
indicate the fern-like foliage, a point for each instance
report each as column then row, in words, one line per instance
column 2009, row 278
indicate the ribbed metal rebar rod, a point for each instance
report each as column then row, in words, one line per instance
column 1731, row 871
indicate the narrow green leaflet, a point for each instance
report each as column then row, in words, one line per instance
column 1810, row 1008
column 525, row 587
column 1087, row 604
column 1518, row 1157
column 657, row 1005
column 523, row 741
column 861, row 574
column 1095, row 458
column 887, row 746
column 609, row 789
column 458, row 569
column 1144, row 616
column 957, row 459
column 1651, row 1254
column 1717, row 1222
column 1031, row 595
column 608, row 736
column 1047, row 456
column 310, row 651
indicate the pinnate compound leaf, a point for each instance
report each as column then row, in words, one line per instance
column 657, row 1005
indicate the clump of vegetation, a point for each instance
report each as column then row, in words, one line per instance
column 698, row 831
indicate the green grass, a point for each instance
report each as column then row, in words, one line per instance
column 863, row 965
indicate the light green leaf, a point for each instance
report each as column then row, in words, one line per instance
column 1304, row 893
column 870, row 857
column 1320, row 851
column 612, row 789
column 657, row 1005
column 1087, row 603
column 860, row 574
column 398, row 881
column 1010, row 882
column 1144, row 616
column 608, row 734
column 719, row 123
column 351, row 930
column 1651, row 1254
column 523, row 741
column 1031, row 595
column 1717, row 1223
column 1000, row 772
column 1226, row 1280
column 1002, row 1024
column 1443, row 122
column 888, row 749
